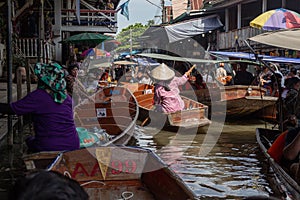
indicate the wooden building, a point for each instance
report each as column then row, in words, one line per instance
column 40, row 26
column 235, row 16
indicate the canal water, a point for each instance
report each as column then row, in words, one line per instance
column 230, row 166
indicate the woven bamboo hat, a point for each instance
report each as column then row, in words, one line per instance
column 162, row 73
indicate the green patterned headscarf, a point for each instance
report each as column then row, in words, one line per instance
column 52, row 76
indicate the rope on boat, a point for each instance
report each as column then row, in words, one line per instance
column 89, row 182
column 66, row 173
column 126, row 195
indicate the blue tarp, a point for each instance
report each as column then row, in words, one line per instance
column 146, row 62
column 251, row 56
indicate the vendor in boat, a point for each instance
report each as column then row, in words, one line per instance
column 166, row 91
column 74, row 87
column 51, row 110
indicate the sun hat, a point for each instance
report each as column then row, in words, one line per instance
column 162, row 73
column 52, row 76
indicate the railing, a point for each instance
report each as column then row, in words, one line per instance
column 89, row 18
column 29, row 49
column 235, row 38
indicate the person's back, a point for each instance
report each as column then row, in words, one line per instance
column 166, row 92
column 53, row 123
column 170, row 99
column 51, row 111
column 243, row 77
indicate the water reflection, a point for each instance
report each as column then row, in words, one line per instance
column 233, row 169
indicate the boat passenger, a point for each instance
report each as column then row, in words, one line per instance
column 243, row 77
column 47, row 185
column 291, row 152
column 275, row 87
column 222, row 76
column 74, row 87
column 265, row 76
column 51, row 110
column 292, row 73
column 142, row 77
column 166, row 91
column 291, row 103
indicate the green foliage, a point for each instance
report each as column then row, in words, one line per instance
column 134, row 32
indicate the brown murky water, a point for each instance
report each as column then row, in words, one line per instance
column 226, row 165
column 233, row 169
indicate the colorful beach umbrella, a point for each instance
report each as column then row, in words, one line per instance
column 277, row 19
column 95, row 52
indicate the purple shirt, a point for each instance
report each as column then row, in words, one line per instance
column 170, row 101
column 53, row 122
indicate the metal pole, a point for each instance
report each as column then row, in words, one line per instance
column 130, row 43
column 42, row 31
column 9, row 54
column 280, row 90
column 283, row 3
column 163, row 14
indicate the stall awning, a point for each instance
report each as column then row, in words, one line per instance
column 288, row 38
column 190, row 28
column 183, row 30
column 251, row 56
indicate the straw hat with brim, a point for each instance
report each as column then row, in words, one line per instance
column 162, row 73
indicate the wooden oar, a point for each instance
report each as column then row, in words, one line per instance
column 190, row 70
column 145, row 121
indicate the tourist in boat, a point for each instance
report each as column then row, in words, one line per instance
column 291, row 103
column 291, row 152
column 222, row 76
column 51, row 110
column 292, row 73
column 265, row 76
column 207, row 78
column 275, row 87
column 243, row 77
column 142, row 77
column 166, row 91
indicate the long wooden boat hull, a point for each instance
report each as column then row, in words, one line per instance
column 248, row 105
column 240, row 100
column 113, row 109
column 286, row 184
column 118, row 172
column 194, row 115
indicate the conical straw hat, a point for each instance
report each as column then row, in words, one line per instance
column 162, row 73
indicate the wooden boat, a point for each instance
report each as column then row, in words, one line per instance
column 121, row 172
column 113, row 110
column 285, row 183
column 194, row 114
column 240, row 100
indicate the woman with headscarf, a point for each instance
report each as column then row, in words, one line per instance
column 166, row 91
column 51, row 110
